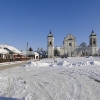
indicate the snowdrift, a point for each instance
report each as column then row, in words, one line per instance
column 89, row 57
column 85, row 63
column 33, row 64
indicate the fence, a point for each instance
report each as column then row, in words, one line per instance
column 11, row 60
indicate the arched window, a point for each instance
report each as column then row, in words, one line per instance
column 50, row 43
column 93, row 42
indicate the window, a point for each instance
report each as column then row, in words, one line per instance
column 50, row 43
column 70, row 44
column 93, row 42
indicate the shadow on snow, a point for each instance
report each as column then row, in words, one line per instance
column 7, row 98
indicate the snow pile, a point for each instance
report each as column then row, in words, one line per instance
column 89, row 57
column 30, row 65
column 63, row 63
column 37, row 64
column 33, row 64
column 93, row 63
column 85, row 63
column 81, row 63
column 96, row 63
column 41, row 64
column 53, row 65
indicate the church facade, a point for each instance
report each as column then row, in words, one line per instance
column 70, row 47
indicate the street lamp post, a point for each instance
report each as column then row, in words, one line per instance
column 26, row 50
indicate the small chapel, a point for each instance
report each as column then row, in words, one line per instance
column 70, row 47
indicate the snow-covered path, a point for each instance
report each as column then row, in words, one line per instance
column 7, row 65
column 68, row 79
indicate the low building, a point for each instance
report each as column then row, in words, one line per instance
column 31, row 54
column 3, row 53
column 36, row 56
column 10, row 52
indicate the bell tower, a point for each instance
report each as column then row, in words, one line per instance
column 93, row 43
column 50, row 45
column 93, row 39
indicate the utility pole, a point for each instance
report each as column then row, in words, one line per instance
column 26, row 50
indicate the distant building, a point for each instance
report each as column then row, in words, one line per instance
column 36, row 56
column 70, row 48
column 31, row 54
column 7, row 51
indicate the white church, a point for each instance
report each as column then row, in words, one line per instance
column 70, row 47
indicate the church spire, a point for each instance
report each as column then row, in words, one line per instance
column 92, row 31
column 50, row 34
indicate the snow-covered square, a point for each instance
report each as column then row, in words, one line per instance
column 72, row 78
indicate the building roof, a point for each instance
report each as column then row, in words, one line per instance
column 27, row 53
column 10, row 49
column 50, row 34
column 13, row 49
column 36, row 53
column 69, row 37
column 3, row 51
column 92, row 33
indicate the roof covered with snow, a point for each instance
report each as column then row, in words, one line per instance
column 36, row 53
column 3, row 51
column 11, row 48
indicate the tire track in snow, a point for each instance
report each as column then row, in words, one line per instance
column 85, row 90
column 63, row 93
column 44, row 90
column 40, row 91
column 76, row 88
column 83, row 80
column 74, row 93
column 61, row 89
column 56, row 91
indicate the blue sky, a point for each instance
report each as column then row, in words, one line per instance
column 23, row 21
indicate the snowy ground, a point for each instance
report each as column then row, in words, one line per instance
column 67, row 79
